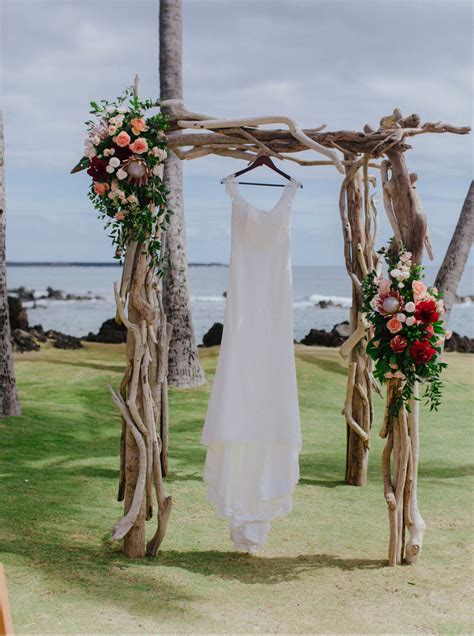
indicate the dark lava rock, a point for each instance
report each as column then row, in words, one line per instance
column 24, row 341
column 325, row 304
column 322, row 338
column 62, row 340
column 214, row 335
column 459, row 343
column 18, row 315
column 38, row 332
column 54, row 294
column 342, row 329
column 23, row 293
column 110, row 332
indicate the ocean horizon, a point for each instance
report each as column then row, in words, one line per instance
column 312, row 284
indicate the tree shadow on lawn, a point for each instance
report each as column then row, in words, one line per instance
column 101, row 571
column 87, row 365
column 249, row 569
column 323, row 363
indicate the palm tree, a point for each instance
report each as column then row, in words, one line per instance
column 184, row 366
column 9, row 404
column 452, row 267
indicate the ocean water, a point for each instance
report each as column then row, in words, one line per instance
column 207, row 286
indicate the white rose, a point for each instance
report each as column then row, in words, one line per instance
column 401, row 317
column 410, row 307
column 90, row 152
column 159, row 153
column 410, row 321
column 401, row 285
column 404, row 275
column 111, row 109
column 157, row 170
column 110, row 169
column 95, row 140
column 395, row 273
column 121, row 174
column 114, row 162
column 121, row 109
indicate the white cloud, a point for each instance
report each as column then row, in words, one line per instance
column 342, row 63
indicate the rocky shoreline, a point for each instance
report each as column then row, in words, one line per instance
column 26, row 338
column 336, row 337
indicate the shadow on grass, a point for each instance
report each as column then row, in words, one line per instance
column 249, row 569
column 323, row 483
column 88, row 365
column 323, row 363
column 103, row 572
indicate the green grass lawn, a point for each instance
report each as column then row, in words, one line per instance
column 324, row 568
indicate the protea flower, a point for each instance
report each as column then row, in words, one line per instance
column 389, row 303
column 137, row 170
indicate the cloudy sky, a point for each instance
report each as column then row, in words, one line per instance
column 341, row 63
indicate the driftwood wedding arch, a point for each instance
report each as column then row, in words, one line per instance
column 143, row 401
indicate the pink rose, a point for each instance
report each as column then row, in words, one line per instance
column 383, row 285
column 394, row 325
column 122, row 139
column 100, row 188
column 120, row 216
column 138, row 125
column 139, row 146
column 418, row 287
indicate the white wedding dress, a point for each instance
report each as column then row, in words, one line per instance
column 252, row 428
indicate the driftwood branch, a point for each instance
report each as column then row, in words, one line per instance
column 245, row 134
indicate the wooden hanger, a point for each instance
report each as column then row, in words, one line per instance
column 262, row 160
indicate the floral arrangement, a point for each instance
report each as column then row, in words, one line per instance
column 123, row 153
column 408, row 332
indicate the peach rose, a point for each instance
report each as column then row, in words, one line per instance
column 100, row 188
column 138, row 125
column 122, row 139
column 120, row 216
column 139, row 146
column 418, row 287
column 394, row 325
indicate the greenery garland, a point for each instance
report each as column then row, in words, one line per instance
column 408, row 332
column 123, row 153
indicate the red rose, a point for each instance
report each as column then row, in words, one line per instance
column 398, row 344
column 429, row 330
column 421, row 351
column 426, row 311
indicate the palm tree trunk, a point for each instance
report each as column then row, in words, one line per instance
column 184, row 367
column 9, row 403
column 452, row 268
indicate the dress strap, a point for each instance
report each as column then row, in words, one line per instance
column 231, row 188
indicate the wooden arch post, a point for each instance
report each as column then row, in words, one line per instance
column 142, row 400
column 400, row 456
